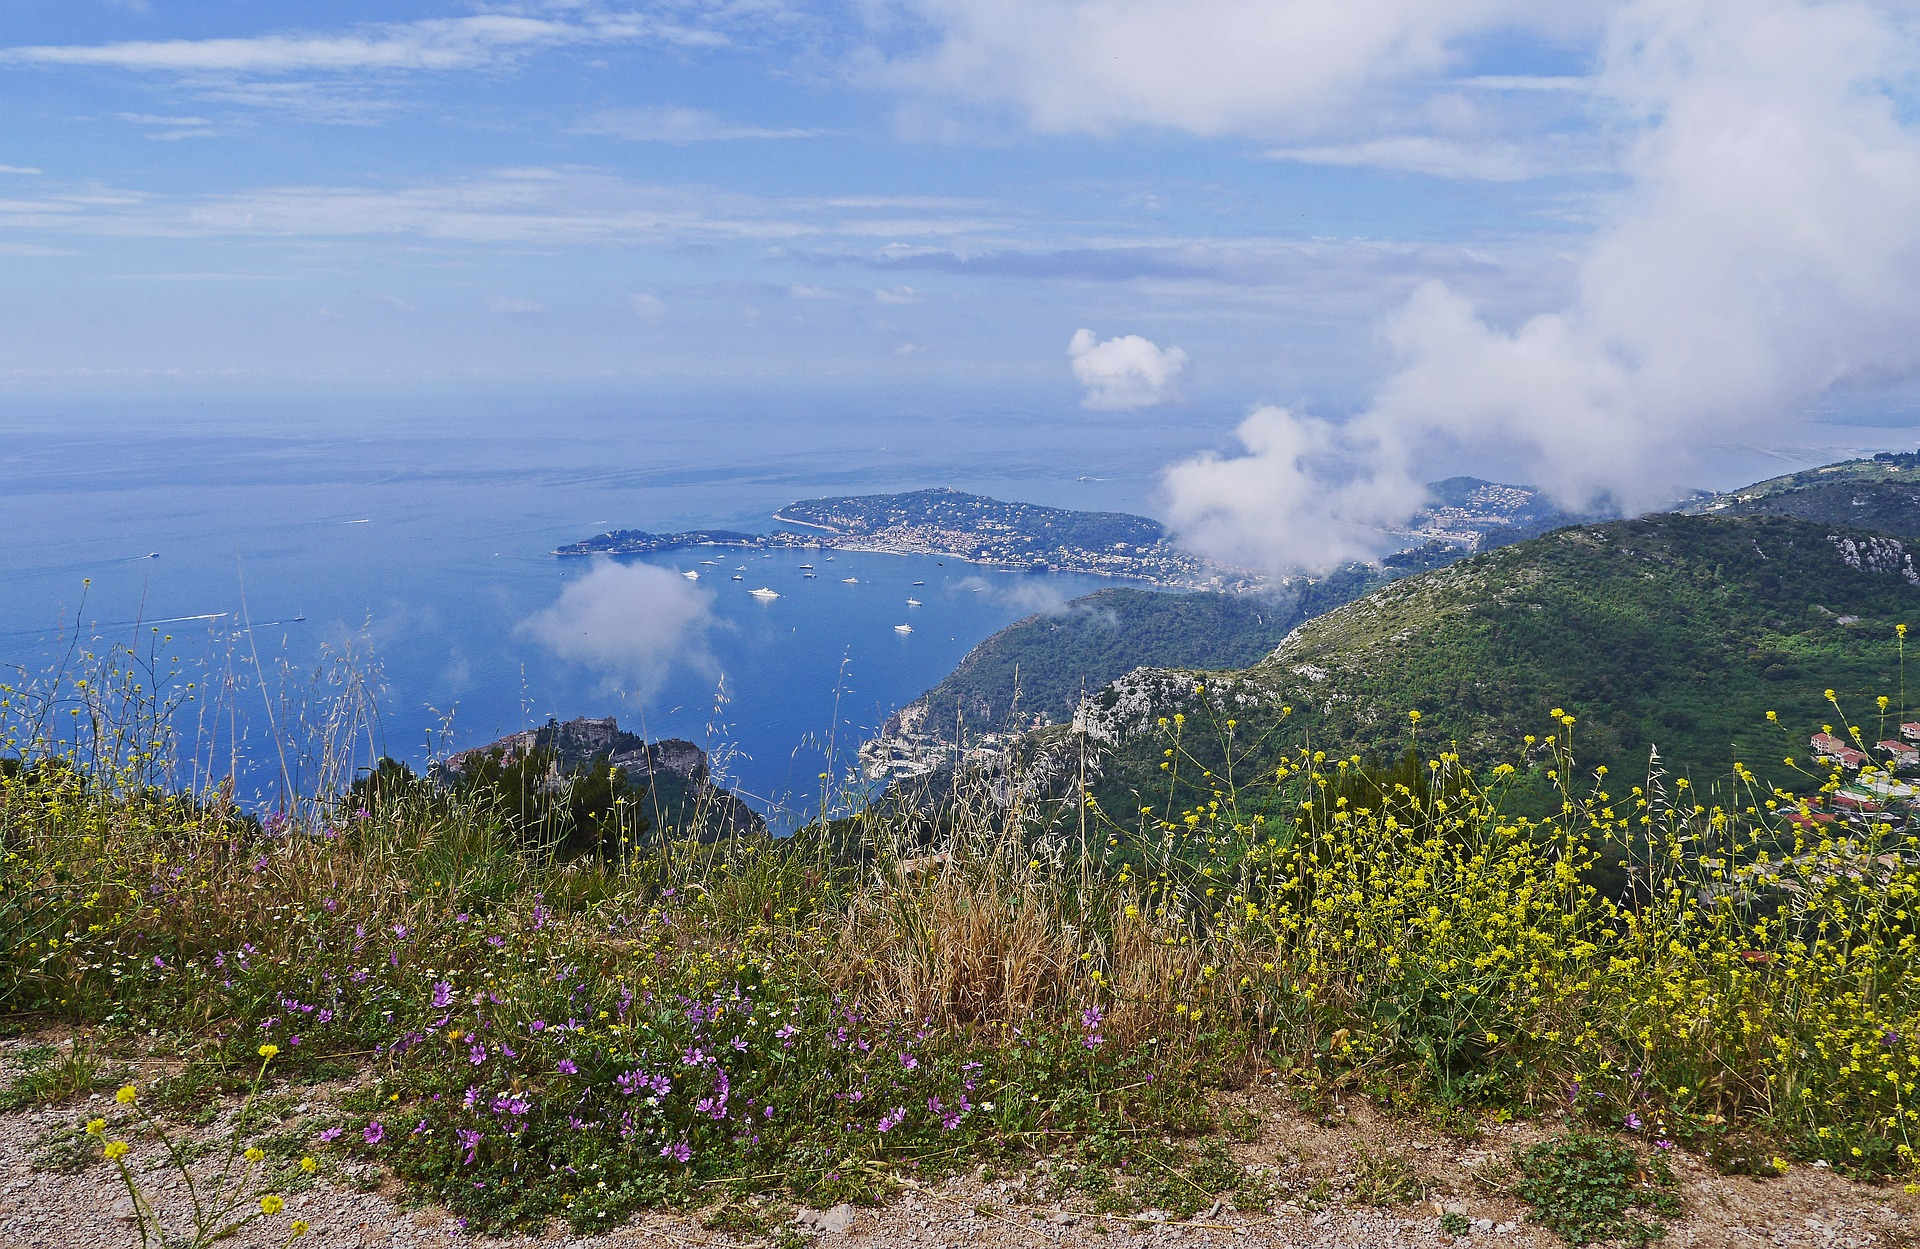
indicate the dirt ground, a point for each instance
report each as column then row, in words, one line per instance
column 42, row 1207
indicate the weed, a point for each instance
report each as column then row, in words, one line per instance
column 50, row 1075
column 63, row 1149
column 1385, row 1178
column 1586, row 1188
column 1454, row 1223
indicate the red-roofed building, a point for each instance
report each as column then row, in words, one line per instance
column 1903, row 755
column 1910, row 731
column 1827, row 746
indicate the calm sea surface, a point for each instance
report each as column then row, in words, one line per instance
column 419, row 539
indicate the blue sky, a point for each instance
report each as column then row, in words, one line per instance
column 1396, row 228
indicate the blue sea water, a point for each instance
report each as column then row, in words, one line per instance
column 418, row 537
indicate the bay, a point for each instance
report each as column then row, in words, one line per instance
column 270, row 535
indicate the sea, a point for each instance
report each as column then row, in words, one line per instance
column 281, row 551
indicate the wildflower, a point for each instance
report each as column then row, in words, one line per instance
column 892, row 1119
column 469, row 1141
column 909, row 1061
column 96, row 1127
column 271, row 1204
column 442, row 994
column 786, row 1034
column 1633, row 1122
column 298, row 1228
column 116, row 1150
column 677, row 1151
column 126, row 1095
column 269, row 1051
column 1663, row 1143
column 255, row 1154
column 309, row 1164
column 375, row 1133
column 566, row 1067
column 329, row 1136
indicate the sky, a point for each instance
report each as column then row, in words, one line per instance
column 1593, row 244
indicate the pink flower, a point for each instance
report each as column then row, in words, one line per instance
column 375, row 1133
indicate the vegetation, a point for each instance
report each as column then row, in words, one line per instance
column 1671, row 632
column 1045, row 664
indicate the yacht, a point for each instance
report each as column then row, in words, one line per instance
column 764, row 593
column 919, row 583
column 809, row 576
column 691, row 574
column 903, row 628
column 738, row 577
column 913, row 602
column 804, row 567
column 849, row 581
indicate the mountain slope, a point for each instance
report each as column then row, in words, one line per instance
column 1675, row 631
column 1882, row 493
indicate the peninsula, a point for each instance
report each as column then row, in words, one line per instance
column 953, row 524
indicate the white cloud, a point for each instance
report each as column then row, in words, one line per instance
column 810, row 292
column 649, row 308
column 682, row 125
column 1125, row 372
column 898, row 295
column 389, row 301
column 1210, row 67
column 155, row 119
column 910, row 349
column 1767, row 250
column 1444, row 158
column 434, row 44
column 27, row 170
column 637, row 623
column 507, row 306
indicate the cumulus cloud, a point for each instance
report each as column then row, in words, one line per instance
column 637, row 623
column 1211, row 67
column 1125, row 372
column 1767, row 249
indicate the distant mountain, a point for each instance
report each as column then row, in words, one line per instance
column 1673, row 631
column 672, row 776
column 1881, row 493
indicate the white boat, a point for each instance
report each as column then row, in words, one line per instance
column 809, row 576
column 805, row 566
column 764, row 593
column 913, row 602
column 738, row 577
column 691, row 574
column 919, row 583
column 903, row 628
column 711, row 563
column 849, row 581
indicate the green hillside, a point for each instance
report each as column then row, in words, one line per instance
column 1053, row 659
column 1673, row 631
column 1881, row 493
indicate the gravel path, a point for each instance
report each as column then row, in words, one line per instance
column 44, row 1209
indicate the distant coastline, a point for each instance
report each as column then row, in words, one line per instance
column 968, row 528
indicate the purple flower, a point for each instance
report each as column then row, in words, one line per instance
column 692, row 1057
column 158, row 961
column 477, row 1054
column 325, row 1016
column 329, row 906
column 329, row 1136
column 677, row 1151
column 786, row 1035
column 909, row 1061
column 375, row 1133
column 739, row 1044
column 892, row 1119
column 1663, row 1144
column 1090, row 1018
column 442, row 994
column 469, row 1141
column 496, row 942
column 566, row 1068
column 400, row 931
column 1633, row 1122
column 473, row 1095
